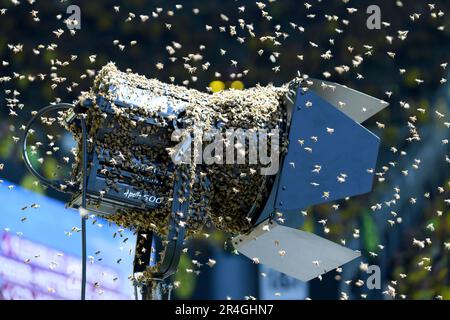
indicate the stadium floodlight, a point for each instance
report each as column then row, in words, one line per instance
column 128, row 167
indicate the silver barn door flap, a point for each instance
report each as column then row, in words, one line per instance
column 357, row 105
column 299, row 254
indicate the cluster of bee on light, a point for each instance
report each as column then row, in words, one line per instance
column 233, row 189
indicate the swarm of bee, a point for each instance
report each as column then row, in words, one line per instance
column 224, row 194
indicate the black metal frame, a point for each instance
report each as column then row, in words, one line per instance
column 172, row 251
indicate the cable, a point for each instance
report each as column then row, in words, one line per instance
column 50, row 183
column 55, row 183
column 83, row 205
